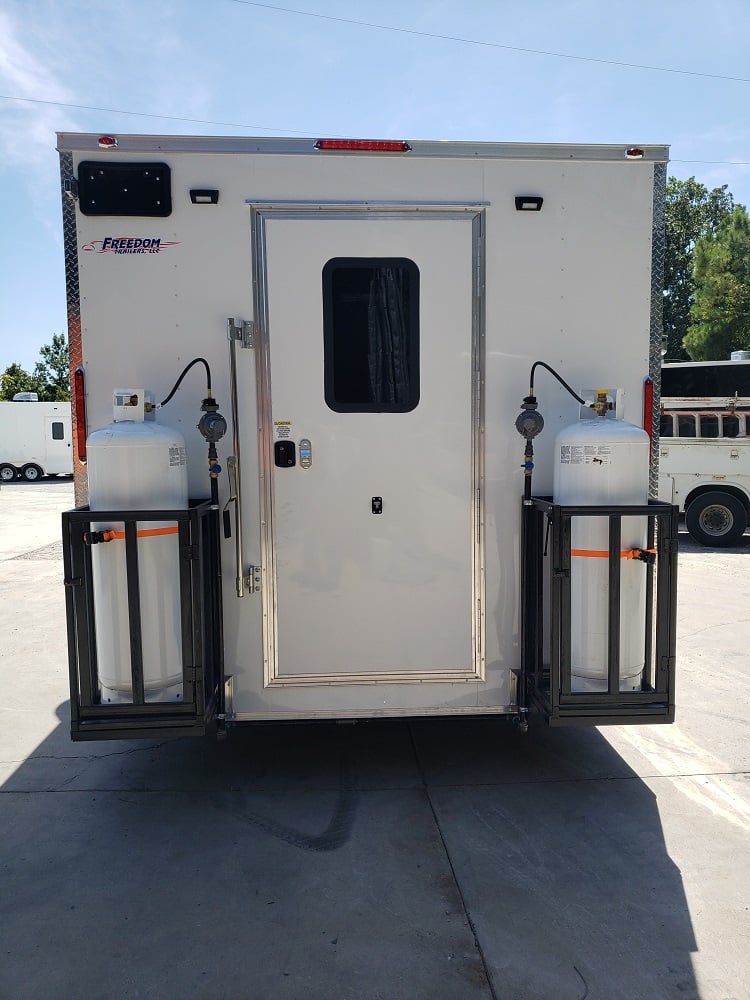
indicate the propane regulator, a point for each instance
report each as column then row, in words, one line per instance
column 212, row 425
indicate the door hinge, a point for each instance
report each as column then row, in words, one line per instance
column 252, row 580
column 241, row 330
column 190, row 551
column 70, row 188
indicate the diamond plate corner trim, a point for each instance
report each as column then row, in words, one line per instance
column 73, row 295
column 658, row 244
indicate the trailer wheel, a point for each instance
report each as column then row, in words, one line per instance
column 31, row 472
column 7, row 473
column 716, row 519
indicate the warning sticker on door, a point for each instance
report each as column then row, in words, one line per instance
column 585, row 454
column 282, row 429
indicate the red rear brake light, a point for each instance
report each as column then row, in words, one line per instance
column 364, row 145
column 79, row 409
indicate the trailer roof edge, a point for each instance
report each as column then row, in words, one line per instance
column 89, row 142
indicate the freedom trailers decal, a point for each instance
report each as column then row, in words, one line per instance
column 129, row 245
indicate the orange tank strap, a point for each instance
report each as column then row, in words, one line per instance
column 108, row 536
column 604, row 553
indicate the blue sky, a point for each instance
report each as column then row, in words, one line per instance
column 263, row 69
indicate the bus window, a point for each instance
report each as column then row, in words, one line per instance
column 666, row 426
column 709, row 426
column 730, row 426
column 686, row 426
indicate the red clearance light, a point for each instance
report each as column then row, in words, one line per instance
column 364, row 145
column 634, row 153
column 79, row 404
column 107, row 142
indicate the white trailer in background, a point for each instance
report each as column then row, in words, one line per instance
column 368, row 315
column 35, row 440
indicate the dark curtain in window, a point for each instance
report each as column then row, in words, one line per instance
column 388, row 347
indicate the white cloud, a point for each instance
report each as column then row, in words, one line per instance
column 26, row 129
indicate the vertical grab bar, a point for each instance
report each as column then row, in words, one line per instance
column 235, row 332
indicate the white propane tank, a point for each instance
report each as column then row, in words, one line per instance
column 604, row 461
column 136, row 464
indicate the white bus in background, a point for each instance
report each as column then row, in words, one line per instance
column 704, row 453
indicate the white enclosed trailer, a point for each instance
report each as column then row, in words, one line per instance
column 370, row 313
column 35, row 440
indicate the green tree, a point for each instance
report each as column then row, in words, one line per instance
column 50, row 378
column 720, row 313
column 53, row 370
column 692, row 212
column 15, row 379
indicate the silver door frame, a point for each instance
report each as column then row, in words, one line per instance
column 260, row 214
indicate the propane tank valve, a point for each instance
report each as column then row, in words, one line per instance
column 602, row 404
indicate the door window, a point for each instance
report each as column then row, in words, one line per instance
column 371, row 334
column 58, row 430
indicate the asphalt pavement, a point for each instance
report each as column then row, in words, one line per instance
column 435, row 859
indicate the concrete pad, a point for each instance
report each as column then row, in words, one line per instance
column 578, row 888
column 133, row 894
column 388, row 859
column 30, row 514
column 169, row 895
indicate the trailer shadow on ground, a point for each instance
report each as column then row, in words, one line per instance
column 449, row 858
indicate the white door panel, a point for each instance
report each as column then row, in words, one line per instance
column 352, row 594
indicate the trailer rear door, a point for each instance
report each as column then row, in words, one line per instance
column 369, row 368
column 57, row 443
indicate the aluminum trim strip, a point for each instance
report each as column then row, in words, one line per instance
column 360, row 210
column 314, row 204
column 89, row 142
column 477, row 441
column 308, row 714
column 372, row 677
column 265, row 444
column 258, row 220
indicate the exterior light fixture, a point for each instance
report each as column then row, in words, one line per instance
column 204, row 196
column 529, row 202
